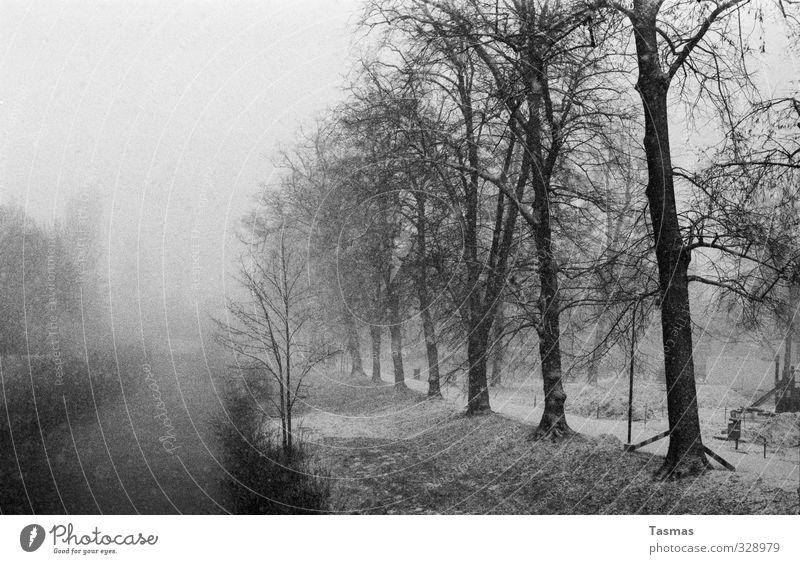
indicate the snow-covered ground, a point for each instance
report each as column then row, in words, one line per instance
column 778, row 469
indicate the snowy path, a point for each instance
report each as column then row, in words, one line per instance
column 778, row 469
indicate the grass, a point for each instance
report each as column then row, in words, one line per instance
column 413, row 455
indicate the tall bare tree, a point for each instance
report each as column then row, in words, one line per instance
column 272, row 330
column 677, row 41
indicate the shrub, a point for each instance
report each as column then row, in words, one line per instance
column 261, row 479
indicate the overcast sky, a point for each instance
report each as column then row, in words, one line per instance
column 171, row 110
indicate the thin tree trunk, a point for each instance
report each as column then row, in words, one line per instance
column 606, row 274
column 789, row 337
column 375, row 335
column 787, row 347
column 395, row 332
column 396, row 341
column 286, row 291
column 284, row 435
column 287, row 447
column 477, row 329
column 685, row 454
column 289, row 431
column 498, row 350
column 594, row 359
column 353, row 347
column 428, row 327
column 432, row 350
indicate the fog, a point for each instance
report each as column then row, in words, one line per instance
column 152, row 126
column 241, row 241
column 168, row 115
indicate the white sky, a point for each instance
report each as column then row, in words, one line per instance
column 153, row 103
column 173, row 110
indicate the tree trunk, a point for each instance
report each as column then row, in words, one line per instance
column 432, row 350
column 498, row 350
column 396, row 338
column 477, row 390
column 480, row 309
column 794, row 299
column 396, row 334
column 353, row 347
column 477, row 329
column 787, row 347
column 375, row 334
column 685, row 455
column 284, row 414
column 289, row 448
column 554, row 422
column 594, row 359
column 428, row 328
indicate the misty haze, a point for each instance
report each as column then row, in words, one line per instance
column 399, row 256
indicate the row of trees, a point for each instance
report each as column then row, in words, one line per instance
column 485, row 176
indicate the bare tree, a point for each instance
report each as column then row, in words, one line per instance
column 695, row 44
column 667, row 38
column 273, row 332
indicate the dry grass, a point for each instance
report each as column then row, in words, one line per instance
column 411, row 455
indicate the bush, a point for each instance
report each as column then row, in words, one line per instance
column 261, row 479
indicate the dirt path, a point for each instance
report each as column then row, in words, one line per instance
column 400, row 453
